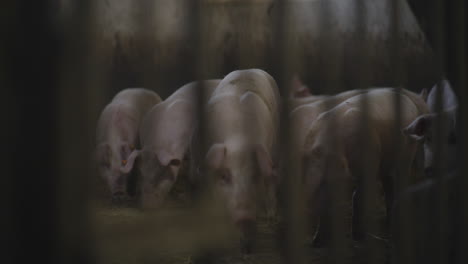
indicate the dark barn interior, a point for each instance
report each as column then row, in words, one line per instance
column 63, row 61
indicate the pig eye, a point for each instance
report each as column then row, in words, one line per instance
column 225, row 176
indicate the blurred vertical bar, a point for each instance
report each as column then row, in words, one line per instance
column 31, row 47
column 403, row 224
column 77, row 101
column 196, row 35
column 193, row 29
column 334, row 221
column 292, row 198
column 144, row 17
column 366, row 179
column 438, row 244
column 8, row 116
column 459, row 28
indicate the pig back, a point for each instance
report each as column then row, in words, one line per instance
column 247, row 118
column 190, row 92
column 140, row 98
column 170, row 125
column 301, row 118
column 304, row 115
column 297, row 102
column 122, row 116
column 254, row 80
column 381, row 114
column 417, row 100
column 382, row 107
column 330, row 100
column 261, row 126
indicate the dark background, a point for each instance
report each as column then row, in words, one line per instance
column 31, row 50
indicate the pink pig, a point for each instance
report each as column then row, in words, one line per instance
column 117, row 136
column 242, row 119
column 166, row 133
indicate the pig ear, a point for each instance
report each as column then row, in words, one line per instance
column 215, row 156
column 418, row 128
column 449, row 99
column 298, row 89
column 424, row 94
column 264, row 161
column 127, row 165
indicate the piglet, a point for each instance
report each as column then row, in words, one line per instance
column 117, row 137
column 242, row 118
column 166, row 133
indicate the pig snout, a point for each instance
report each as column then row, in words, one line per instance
column 247, row 225
column 244, row 221
column 244, row 213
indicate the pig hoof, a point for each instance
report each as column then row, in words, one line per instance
column 320, row 243
column 321, row 240
column 248, row 229
column 247, row 246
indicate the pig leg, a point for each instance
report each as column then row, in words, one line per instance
column 322, row 235
column 358, row 231
column 406, row 171
column 132, row 182
column 197, row 181
column 364, row 170
column 270, row 201
column 337, row 176
column 196, row 172
column 247, row 241
column 192, row 177
column 388, row 182
column 365, row 191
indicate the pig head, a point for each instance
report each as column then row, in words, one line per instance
column 111, row 157
column 158, row 172
column 238, row 170
column 424, row 128
column 165, row 136
column 297, row 88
